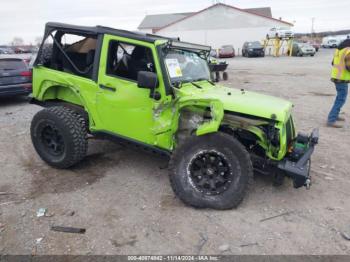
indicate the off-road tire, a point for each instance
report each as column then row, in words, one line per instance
column 235, row 154
column 72, row 129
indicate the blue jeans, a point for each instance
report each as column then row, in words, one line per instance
column 342, row 93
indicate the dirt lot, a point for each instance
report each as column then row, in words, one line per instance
column 123, row 198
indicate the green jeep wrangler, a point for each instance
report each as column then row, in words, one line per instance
column 156, row 93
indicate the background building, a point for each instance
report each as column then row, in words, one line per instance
column 217, row 25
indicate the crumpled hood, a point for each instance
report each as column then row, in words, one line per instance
column 242, row 101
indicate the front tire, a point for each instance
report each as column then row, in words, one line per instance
column 211, row 171
column 59, row 136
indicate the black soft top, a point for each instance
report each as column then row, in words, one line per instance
column 96, row 30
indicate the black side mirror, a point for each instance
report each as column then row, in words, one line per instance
column 147, row 79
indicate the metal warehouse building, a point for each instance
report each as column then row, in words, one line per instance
column 217, row 25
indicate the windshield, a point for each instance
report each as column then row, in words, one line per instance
column 186, row 66
column 254, row 45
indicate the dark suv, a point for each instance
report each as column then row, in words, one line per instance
column 250, row 49
column 15, row 77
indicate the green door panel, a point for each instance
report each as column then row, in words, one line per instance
column 127, row 111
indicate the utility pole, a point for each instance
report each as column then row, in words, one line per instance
column 312, row 27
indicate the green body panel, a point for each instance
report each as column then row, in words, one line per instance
column 131, row 112
column 241, row 101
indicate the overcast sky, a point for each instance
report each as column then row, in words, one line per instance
column 26, row 18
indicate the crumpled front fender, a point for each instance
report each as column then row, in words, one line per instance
column 216, row 112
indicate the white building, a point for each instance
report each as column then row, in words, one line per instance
column 217, row 25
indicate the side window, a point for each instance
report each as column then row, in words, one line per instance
column 69, row 53
column 126, row 60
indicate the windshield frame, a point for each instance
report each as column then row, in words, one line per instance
column 201, row 53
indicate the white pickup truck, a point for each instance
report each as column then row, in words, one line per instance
column 330, row 42
column 279, row 32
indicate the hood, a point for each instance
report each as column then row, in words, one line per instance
column 306, row 46
column 241, row 101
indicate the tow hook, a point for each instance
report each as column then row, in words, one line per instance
column 308, row 183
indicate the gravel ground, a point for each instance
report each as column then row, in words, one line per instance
column 123, row 197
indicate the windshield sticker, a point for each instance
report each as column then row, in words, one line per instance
column 173, row 67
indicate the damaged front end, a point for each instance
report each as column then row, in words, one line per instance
column 203, row 116
column 298, row 162
column 274, row 146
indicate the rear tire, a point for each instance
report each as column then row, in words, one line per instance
column 211, row 171
column 59, row 136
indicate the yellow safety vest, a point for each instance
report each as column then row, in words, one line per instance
column 339, row 70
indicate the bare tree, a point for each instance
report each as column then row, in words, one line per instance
column 17, row 41
column 38, row 40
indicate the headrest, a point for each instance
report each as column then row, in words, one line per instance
column 138, row 52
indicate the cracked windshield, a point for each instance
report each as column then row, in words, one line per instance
column 185, row 66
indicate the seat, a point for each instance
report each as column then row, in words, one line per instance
column 138, row 62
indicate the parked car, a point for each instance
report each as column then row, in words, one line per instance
column 226, row 51
column 303, row 49
column 250, row 49
column 279, row 32
column 315, row 45
column 330, row 43
column 15, row 77
column 6, row 50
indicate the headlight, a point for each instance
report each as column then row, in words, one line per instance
column 250, row 49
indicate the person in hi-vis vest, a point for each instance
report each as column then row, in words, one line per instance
column 341, row 79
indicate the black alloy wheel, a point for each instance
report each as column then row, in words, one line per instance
column 52, row 139
column 210, row 172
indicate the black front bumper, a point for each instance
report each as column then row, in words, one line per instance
column 256, row 53
column 299, row 170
